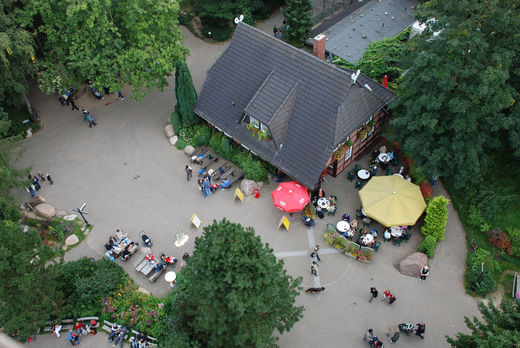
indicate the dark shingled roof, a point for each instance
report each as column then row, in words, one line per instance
column 310, row 106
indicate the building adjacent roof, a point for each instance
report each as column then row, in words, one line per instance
column 310, row 106
column 377, row 19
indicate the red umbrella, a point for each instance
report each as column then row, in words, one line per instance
column 385, row 81
column 290, row 197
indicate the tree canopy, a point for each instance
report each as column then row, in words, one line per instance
column 458, row 101
column 108, row 43
column 298, row 14
column 185, row 93
column 233, row 293
column 498, row 327
column 27, row 292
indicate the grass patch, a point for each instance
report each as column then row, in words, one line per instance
column 17, row 116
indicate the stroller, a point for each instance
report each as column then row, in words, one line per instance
column 146, row 240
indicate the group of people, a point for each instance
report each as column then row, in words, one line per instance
column 120, row 246
column 118, row 334
column 207, row 187
column 35, row 184
column 80, row 328
column 387, row 296
column 320, row 211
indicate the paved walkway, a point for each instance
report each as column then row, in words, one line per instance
column 131, row 178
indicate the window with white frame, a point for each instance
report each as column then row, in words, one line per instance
column 264, row 129
column 348, row 154
column 365, row 136
column 254, row 122
column 371, row 128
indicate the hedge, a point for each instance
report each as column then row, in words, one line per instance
column 428, row 246
column 436, row 218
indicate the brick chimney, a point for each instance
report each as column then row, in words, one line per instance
column 318, row 47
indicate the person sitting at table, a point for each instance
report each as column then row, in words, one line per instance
column 359, row 214
column 353, row 224
column 317, row 195
column 375, row 155
column 319, row 212
column 149, row 258
column 225, row 184
column 390, row 156
column 158, row 267
column 332, row 200
column 382, row 149
column 407, row 178
column 108, row 246
column 308, row 221
column 373, row 170
column 213, row 187
column 345, row 217
column 387, row 235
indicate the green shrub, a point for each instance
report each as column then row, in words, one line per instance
column 215, row 141
column 176, row 122
column 202, row 135
column 428, row 246
column 514, row 234
column 436, row 218
column 479, row 256
column 225, row 145
column 417, row 174
column 254, row 170
column 181, row 144
column 484, row 284
column 474, row 217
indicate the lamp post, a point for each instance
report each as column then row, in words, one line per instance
column 82, row 211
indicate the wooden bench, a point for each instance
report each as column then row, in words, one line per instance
column 235, row 176
column 132, row 250
column 66, row 324
column 152, row 342
column 156, row 275
column 210, row 161
column 227, row 173
column 88, row 320
column 141, row 264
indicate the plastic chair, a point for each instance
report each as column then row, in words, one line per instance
column 331, row 228
column 357, row 168
column 351, row 176
column 389, row 171
column 359, row 185
column 332, row 211
column 397, row 241
column 376, row 247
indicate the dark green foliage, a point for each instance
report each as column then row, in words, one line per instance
column 458, row 101
column 483, row 282
column 185, row 94
column 428, row 246
column 85, row 283
column 514, row 234
column 217, row 16
column 202, row 135
column 225, row 145
column 233, row 293
column 181, row 144
column 176, row 122
column 9, row 210
column 483, row 256
column 497, row 328
column 383, row 57
column 215, row 140
column 110, row 43
column 298, row 14
column 17, row 115
column 28, row 293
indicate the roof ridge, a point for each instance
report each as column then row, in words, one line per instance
column 244, row 26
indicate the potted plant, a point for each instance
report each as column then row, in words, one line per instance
column 348, row 144
column 363, row 132
column 340, row 152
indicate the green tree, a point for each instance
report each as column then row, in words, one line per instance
column 27, row 291
column 109, row 43
column 185, row 93
column 436, row 218
column 16, row 57
column 233, row 293
column 298, row 14
column 497, row 328
column 428, row 246
column 458, row 101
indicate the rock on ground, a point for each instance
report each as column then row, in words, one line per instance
column 174, row 140
column 412, row 264
column 168, row 131
column 45, row 210
column 248, row 186
column 71, row 240
column 189, row 150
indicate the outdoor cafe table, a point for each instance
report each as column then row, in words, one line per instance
column 323, row 203
column 170, row 277
column 383, row 157
column 367, row 239
column 396, row 231
column 343, row 226
column 363, row 174
column 399, row 175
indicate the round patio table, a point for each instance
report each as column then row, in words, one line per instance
column 363, row 174
column 367, row 239
column 396, row 231
column 383, row 157
column 323, row 203
column 170, row 277
column 399, row 175
column 343, row 226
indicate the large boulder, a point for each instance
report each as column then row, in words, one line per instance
column 189, row 150
column 168, row 131
column 247, row 187
column 412, row 264
column 174, row 140
column 45, row 210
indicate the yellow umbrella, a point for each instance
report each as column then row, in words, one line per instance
column 392, row 200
